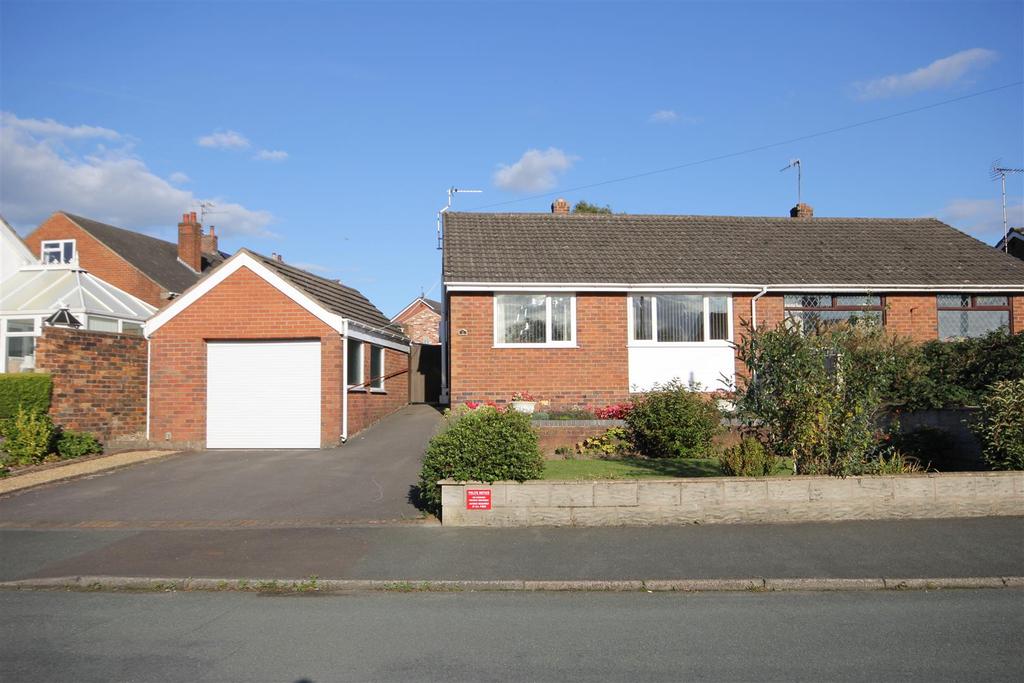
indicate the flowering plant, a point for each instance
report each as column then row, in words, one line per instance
column 616, row 411
column 523, row 396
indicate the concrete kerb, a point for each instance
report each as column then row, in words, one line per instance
column 74, row 469
column 316, row 585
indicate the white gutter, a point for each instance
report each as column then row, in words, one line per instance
column 753, row 306
column 718, row 287
column 344, row 380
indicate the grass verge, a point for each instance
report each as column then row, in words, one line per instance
column 641, row 468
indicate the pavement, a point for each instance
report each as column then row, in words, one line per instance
column 913, row 636
column 367, row 479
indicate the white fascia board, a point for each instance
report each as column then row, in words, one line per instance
column 228, row 268
column 402, row 312
column 717, row 287
column 368, row 336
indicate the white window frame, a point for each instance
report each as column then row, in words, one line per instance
column 60, row 250
column 4, row 335
column 377, row 385
column 548, row 343
column 653, row 342
column 357, row 386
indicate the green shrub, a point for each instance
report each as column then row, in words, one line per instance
column 748, row 458
column 673, row 421
column 816, row 396
column 479, row 445
column 892, row 461
column 612, row 441
column 28, row 437
column 30, row 390
column 71, row 444
column 1000, row 425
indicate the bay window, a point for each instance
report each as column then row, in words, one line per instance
column 811, row 310
column 680, row 318
column 972, row 315
column 534, row 320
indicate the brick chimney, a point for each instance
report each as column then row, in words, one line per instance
column 190, row 235
column 802, row 210
column 559, row 206
column 208, row 244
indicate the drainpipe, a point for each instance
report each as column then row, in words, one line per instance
column 149, row 375
column 753, row 306
column 344, row 380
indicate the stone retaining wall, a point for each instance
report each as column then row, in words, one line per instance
column 734, row 500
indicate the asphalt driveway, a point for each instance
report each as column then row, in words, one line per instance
column 366, row 480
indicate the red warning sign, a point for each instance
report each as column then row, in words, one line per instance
column 478, row 499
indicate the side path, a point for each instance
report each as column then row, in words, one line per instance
column 906, row 549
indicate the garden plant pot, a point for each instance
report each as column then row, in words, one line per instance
column 524, row 406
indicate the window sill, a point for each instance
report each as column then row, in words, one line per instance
column 717, row 344
column 378, row 391
column 536, row 346
column 356, row 390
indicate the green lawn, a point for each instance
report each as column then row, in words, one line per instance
column 640, row 468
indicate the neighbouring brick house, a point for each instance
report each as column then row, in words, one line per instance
column 421, row 320
column 260, row 354
column 151, row 269
column 583, row 309
column 1012, row 243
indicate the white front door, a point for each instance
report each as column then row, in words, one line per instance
column 263, row 394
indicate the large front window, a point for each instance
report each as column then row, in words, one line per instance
column 679, row 318
column 534, row 319
column 813, row 310
column 972, row 315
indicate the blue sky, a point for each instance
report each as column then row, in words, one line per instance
column 329, row 132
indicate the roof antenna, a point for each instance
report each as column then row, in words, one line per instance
column 451, row 193
column 205, row 207
column 799, row 178
column 1001, row 172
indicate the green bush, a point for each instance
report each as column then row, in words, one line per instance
column 817, row 396
column 1000, row 425
column 479, row 445
column 673, row 421
column 30, row 390
column 71, row 444
column 28, row 437
column 612, row 441
column 748, row 458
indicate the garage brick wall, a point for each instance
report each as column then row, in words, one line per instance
column 367, row 407
column 99, row 381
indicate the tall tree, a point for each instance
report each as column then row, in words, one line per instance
column 586, row 207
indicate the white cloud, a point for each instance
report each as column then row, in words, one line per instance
column 983, row 218
column 535, row 171
column 50, row 129
column 271, row 155
column 664, row 116
column 39, row 175
column 941, row 73
column 179, row 178
column 225, row 139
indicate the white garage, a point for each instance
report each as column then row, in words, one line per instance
column 262, row 394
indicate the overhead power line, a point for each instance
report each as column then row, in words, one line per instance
column 751, row 150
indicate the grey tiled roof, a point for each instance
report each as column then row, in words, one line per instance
column 156, row 258
column 633, row 249
column 332, row 295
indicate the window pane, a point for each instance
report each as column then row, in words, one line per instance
column 858, row 300
column 957, row 324
column 642, row 329
column 521, row 318
column 954, row 301
column 808, row 301
column 377, row 368
column 718, row 317
column 680, row 317
column 20, row 346
column 20, row 326
column 809, row 321
column 69, row 252
column 990, row 301
column 131, row 328
column 561, row 318
column 101, row 324
column 355, row 362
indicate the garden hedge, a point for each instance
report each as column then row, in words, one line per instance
column 31, row 390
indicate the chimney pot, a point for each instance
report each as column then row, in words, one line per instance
column 802, row 210
column 190, row 238
column 560, row 206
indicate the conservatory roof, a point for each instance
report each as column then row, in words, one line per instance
column 42, row 290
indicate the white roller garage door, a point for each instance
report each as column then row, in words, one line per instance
column 263, row 394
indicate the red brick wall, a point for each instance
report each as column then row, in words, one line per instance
column 366, row 407
column 243, row 306
column 594, row 373
column 912, row 315
column 421, row 323
column 97, row 258
column 99, row 381
column 1017, row 313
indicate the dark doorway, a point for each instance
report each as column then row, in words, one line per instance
column 425, row 373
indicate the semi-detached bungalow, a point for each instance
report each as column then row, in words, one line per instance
column 582, row 309
column 261, row 354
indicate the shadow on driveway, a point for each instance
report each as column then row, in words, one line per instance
column 367, row 479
